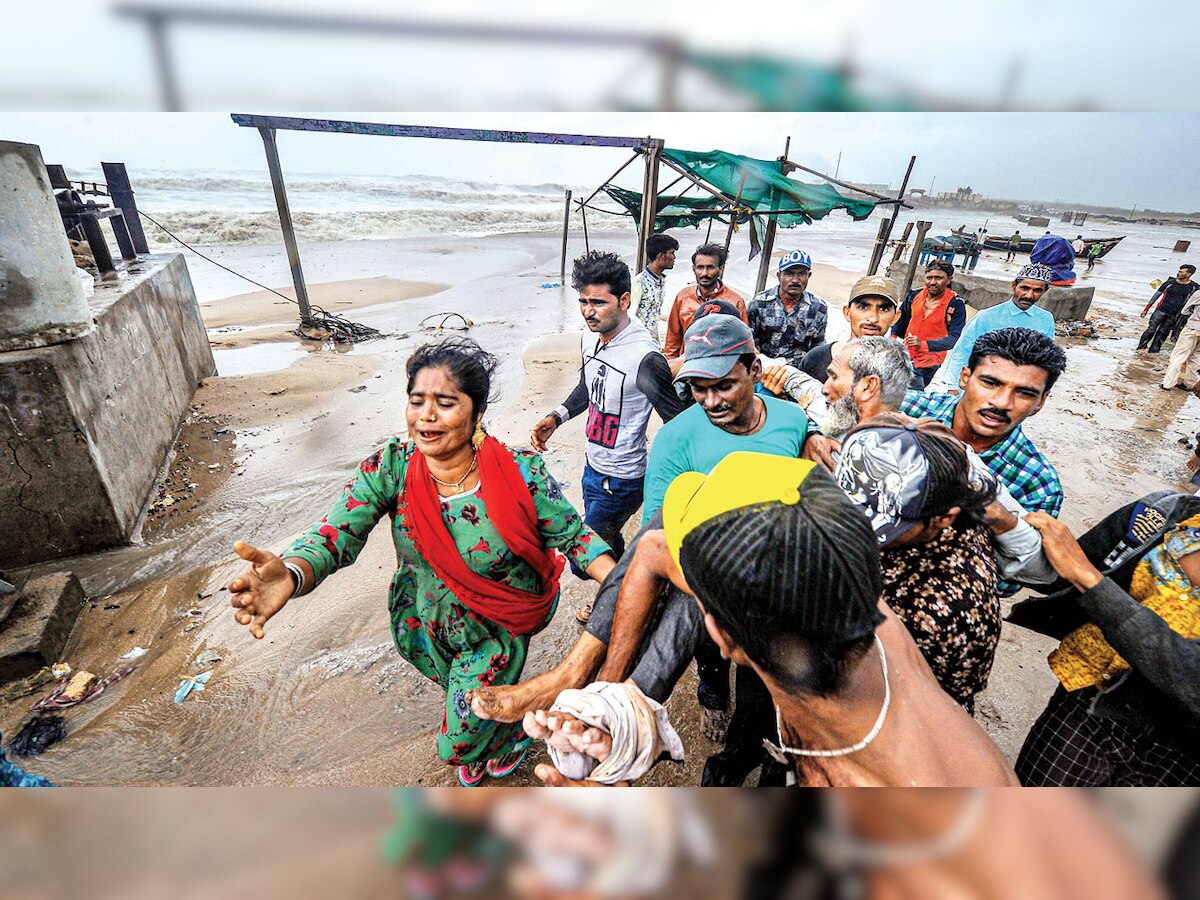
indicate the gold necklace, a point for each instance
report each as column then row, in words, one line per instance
column 457, row 484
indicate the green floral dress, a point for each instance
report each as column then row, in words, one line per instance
column 447, row 642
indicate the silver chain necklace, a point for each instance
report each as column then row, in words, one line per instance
column 778, row 751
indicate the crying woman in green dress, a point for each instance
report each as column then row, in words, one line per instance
column 480, row 534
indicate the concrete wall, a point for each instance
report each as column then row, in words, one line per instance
column 86, row 425
column 41, row 301
column 981, row 291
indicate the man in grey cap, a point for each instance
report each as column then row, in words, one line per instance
column 720, row 368
column 787, row 319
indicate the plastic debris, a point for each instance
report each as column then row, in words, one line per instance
column 135, row 653
column 194, row 684
column 206, row 658
column 551, row 284
column 60, row 670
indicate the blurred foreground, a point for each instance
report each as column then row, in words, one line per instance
column 620, row 55
column 532, row 843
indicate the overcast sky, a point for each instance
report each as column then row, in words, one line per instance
column 1120, row 159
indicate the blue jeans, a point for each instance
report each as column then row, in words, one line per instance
column 608, row 503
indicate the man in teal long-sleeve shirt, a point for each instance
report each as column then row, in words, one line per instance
column 1018, row 311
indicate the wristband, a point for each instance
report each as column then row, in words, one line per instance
column 555, row 415
column 298, row 574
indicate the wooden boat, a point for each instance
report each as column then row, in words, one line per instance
column 1001, row 243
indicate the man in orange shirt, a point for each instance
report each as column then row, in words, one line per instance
column 931, row 320
column 708, row 265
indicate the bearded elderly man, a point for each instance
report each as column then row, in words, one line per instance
column 788, row 320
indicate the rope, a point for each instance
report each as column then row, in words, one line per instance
column 446, row 317
column 322, row 325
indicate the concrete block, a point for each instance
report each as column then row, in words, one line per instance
column 86, row 425
column 39, row 625
column 982, row 291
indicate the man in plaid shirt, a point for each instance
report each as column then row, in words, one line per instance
column 788, row 320
column 1007, row 380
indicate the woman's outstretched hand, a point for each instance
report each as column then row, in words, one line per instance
column 260, row 591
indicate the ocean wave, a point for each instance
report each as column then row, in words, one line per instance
column 414, row 187
column 225, row 227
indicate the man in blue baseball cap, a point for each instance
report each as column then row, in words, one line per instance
column 788, row 320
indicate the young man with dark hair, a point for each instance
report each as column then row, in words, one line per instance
column 708, row 266
column 871, row 311
column 1007, row 380
column 623, row 376
column 647, row 293
column 931, row 320
column 1169, row 299
column 788, row 320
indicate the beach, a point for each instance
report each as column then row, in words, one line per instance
column 325, row 699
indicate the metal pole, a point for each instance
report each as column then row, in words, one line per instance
column 764, row 264
column 587, row 247
column 122, row 198
column 285, row 222
column 162, row 56
column 908, row 227
column 562, row 269
column 885, row 233
column 922, row 230
column 733, row 213
column 672, row 58
column 608, row 180
column 649, row 200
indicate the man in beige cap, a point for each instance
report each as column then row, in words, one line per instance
column 872, row 309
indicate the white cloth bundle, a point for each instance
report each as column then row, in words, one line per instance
column 639, row 728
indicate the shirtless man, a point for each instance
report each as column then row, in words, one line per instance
column 785, row 570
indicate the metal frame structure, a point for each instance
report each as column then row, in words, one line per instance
column 733, row 204
column 158, row 18
column 650, row 148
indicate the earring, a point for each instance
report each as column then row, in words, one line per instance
column 480, row 434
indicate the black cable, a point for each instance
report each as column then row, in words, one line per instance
column 340, row 328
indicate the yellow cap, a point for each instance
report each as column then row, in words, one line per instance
column 740, row 479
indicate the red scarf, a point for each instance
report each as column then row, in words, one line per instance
column 511, row 512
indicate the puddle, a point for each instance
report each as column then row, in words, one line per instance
column 243, row 329
column 257, row 359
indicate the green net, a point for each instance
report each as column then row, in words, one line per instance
column 788, row 85
column 672, row 211
column 766, row 190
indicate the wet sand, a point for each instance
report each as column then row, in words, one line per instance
column 325, row 699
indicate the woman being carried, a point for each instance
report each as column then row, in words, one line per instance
column 475, row 526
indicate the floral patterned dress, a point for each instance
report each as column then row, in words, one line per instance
column 945, row 592
column 447, row 642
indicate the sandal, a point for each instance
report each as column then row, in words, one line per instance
column 471, row 776
column 584, row 614
column 503, row 766
column 715, row 724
